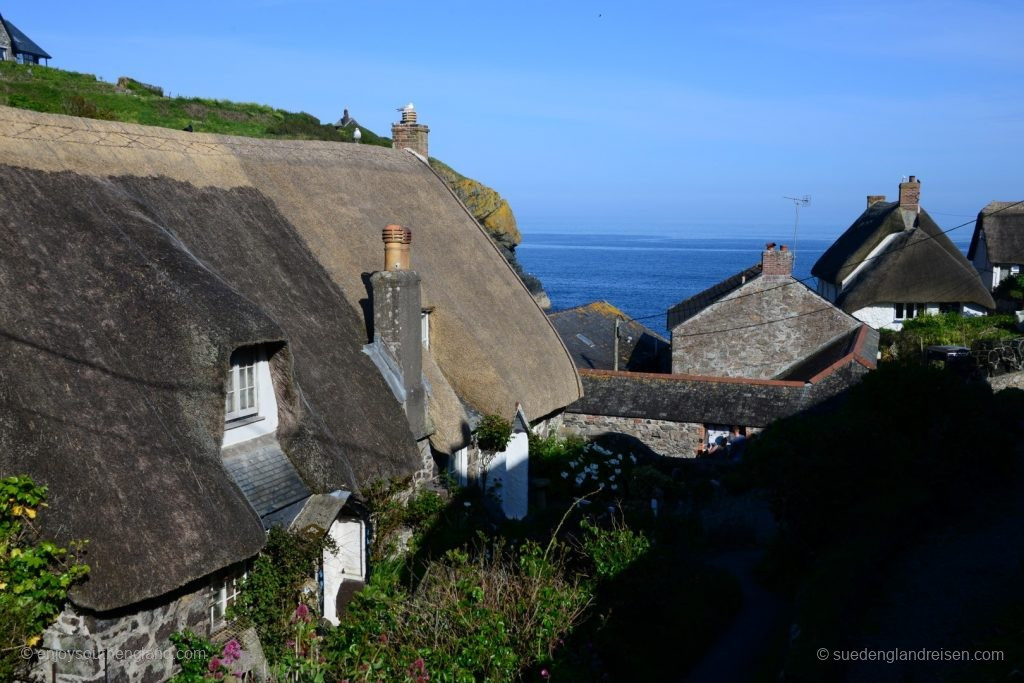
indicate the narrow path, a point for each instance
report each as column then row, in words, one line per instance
column 743, row 646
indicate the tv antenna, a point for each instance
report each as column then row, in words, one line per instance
column 797, row 203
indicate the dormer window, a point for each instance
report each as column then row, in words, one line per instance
column 242, row 392
column 250, row 405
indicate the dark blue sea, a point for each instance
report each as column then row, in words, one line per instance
column 644, row 275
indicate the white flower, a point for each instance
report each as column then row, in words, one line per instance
column 565, row 475
column 633, row 458
column 615, row 487
column 618, row 470
column 467, row 503
column 572, row 463
column 611, row 478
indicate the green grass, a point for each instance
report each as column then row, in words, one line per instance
column 55, row 91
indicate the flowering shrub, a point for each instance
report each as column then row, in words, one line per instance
column 598, row 468
column 35, row 575
column 268, row 595
column 201, row 660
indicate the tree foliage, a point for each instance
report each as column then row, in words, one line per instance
column 35, row 574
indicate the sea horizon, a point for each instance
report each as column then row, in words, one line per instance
column 645, row 275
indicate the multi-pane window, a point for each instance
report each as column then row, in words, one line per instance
column 242, row 397
column 908, row 311
column 225, row 594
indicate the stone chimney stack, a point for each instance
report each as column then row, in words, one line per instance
column 397, row 308
column 875, row 198
column 776, row 261
column 910, row 195
column 407, row 133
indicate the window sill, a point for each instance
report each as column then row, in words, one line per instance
column 242, row 421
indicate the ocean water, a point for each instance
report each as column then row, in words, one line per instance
column 645, row 275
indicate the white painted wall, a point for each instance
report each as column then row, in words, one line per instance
column 973, row 311
column 508, row 477
column 348, row 563
column 267, row 403
column 879, row 316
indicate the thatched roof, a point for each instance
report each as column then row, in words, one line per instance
column 1003, row 226
column 589, row 333
column 758, row 330
column 136, row 259
column 918, row 262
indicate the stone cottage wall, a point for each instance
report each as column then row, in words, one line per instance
column 671, row 439
column 131, row 647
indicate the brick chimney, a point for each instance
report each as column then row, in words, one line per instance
column 397, row 307
column 875, row 198
column 776, row 261
column 910, row 195
column 407, row 133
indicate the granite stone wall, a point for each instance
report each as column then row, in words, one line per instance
column 82, row 647
column 671, row 439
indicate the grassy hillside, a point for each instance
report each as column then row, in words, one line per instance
column 45, row 89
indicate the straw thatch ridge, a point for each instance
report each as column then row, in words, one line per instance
column 124, row 298
column 493, row 344
column 918, row 263
column 1002, row 224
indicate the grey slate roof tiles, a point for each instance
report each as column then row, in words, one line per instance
column 265, row 475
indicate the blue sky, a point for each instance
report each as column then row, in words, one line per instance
column 692, row 118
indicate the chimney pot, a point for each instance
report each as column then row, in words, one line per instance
column 776, row 261
column 407, row 249
column 394, row 240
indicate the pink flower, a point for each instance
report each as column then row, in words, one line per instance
column 383, row 638
column 302, row 613
column 232, row 651
column 214, row 664
column 544, row 673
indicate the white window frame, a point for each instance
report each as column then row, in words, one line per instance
column 226, row 589
column 243, row 368
column 425, row 328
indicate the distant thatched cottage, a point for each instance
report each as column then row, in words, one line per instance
column 997, row 245
column 198, row 340
column 895, row 263
column 752, row 349
column 15, row 46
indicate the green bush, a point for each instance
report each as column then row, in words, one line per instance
column 613, row 550
column 35, row 574
column 1011, row 289
column 272, row 589
column 946, row 328
column 485, row 615
column 493, row 433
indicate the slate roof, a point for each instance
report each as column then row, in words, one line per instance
column 588, row 332
column 1003, row 226
column 918, row 262
column 838, row 365
column 266, row 476
column 20, row 43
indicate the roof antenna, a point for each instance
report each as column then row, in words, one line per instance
column 797, row 203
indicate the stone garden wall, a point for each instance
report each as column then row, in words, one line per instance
column 671, row 439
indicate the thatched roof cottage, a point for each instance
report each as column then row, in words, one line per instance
column 185, row 350
column 895, row 263
column 997, row 245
